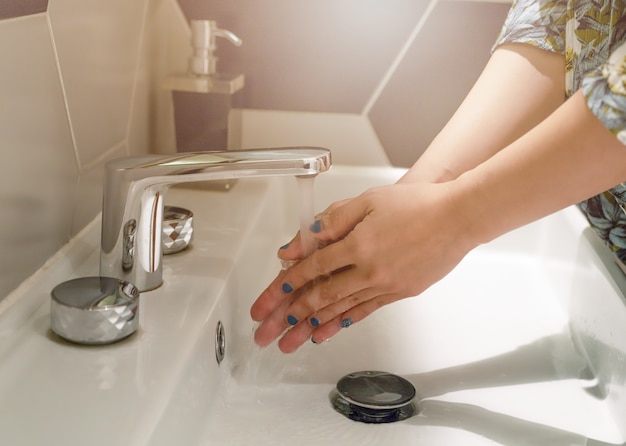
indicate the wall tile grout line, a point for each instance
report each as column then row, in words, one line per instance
column 140, row 49
column 69, row 124
column 62, row 83
column 400, row 57
column 103, row 157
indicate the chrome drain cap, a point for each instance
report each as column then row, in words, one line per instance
column 374, row 397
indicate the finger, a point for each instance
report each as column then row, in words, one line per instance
column 302, row 330
column 319, row 264
column 338, row 308
column 328, row 297
column 299, row 247
column 328, row 330
column 272, row 326
column 356, row 314
column 337, row 204
column 291, row 250
column 269, row 300
column 360, row 312
column 336, row 222
column 298, row 335
column 294, row 249
column 294, row 338
column 302, row 333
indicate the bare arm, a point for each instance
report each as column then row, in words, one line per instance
column 519, row 87
column 396, row 241
column 567, row 158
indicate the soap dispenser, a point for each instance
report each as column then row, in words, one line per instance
column 202, row 96
column 204, row 33
column 202, row 75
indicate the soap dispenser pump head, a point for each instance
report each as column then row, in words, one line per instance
column 203, row 42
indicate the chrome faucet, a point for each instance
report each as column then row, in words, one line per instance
column 134, row 188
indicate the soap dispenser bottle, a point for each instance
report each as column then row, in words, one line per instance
column 204, row 33
column 202, row 97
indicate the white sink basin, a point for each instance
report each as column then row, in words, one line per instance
column 488, row 348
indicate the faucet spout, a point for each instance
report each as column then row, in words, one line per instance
column 134, row 188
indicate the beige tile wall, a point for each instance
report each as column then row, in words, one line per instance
column 433, row 76
column 72, row 95
column 402, row 65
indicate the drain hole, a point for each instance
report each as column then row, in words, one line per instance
column 374, row 397
column 220, row 342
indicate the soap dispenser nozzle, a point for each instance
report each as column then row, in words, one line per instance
column 203, row 41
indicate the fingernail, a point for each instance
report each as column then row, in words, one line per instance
column 313, row 340
column 287, row 288
column 285, row 246
column 316, row 226
column 292, row 319
column 345, row 323
column 315, row 322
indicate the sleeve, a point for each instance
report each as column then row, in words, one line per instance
column 605, row 91
column 541, row 23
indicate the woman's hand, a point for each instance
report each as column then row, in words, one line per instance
column 389, row 243
column 494, row 167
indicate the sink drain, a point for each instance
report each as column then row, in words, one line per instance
column 374, row 397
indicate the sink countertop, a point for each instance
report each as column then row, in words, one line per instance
column 122, row 393
column 77, row 395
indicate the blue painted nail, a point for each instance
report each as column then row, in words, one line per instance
column 287, row 288
column 285, row 246
column 292, row 319
column 315, row 322
column 345, row 323
column 316, row 226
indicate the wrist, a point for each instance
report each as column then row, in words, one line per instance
column 473, row 210
column 422, row 172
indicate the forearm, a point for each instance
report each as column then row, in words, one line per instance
column 519, row 87
column 567, row 158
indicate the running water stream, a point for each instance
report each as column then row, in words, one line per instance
column 306, row 199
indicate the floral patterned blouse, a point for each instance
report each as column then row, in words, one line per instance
column 592, row 36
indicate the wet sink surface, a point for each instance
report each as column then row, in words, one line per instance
column 488, row 349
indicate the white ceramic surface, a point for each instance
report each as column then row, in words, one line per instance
column 488, row 348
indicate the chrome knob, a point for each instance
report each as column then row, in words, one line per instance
column 177, row 229
column 94, row 310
